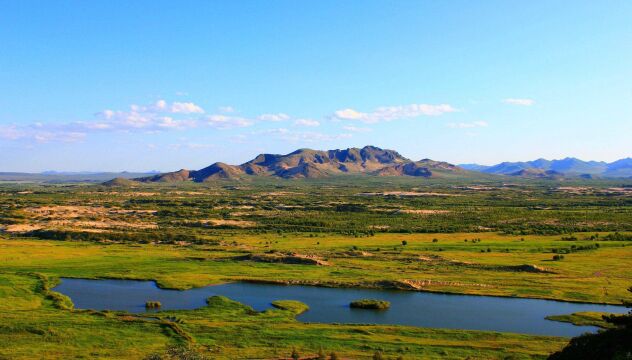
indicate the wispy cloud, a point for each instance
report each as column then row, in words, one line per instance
column 470, row 125
column 10, row 132
column 186, row 108
column 163, row 115
column 357, row 129
column 301, row 136
column 307, row 122
column 162, row 106
column 226, row 109
column 520, row 102
column 191, row 146
column 274, row 117
column 390, row 113
column 158, row 116
column 39, row 133
column 154, row 117
column 227, row 122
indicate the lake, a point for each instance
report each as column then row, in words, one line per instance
column 331, row 305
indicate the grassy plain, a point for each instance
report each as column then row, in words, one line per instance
column 34, row 327
column 489, row 238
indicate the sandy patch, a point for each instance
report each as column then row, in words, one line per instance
column 280, row 193
column 19, row 228
column 66, row 212
column 423, row 211
column 239, row 207
column 103, row 224
column 379, row 227
column 186, row 193
column 70, row 212
column 405, row 193
column 224, row 222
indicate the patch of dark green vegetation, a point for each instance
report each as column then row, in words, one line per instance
column 294, row 306
column 372, row 304
column 153, row 305
column 613, row 343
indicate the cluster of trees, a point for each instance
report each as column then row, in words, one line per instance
column 617, row 237
column 574, row 248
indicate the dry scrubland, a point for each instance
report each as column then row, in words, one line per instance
column 483, row 238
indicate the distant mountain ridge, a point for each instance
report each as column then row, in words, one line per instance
column 567, row 167
column 63, row 176
column 308, row 163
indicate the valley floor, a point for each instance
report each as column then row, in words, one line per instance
column 36, row 323
column 548, row 240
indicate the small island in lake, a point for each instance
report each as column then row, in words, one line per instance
column 153, row 305
column 370, row 304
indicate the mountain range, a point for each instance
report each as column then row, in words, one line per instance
column 568, row 167
column 372, row 160
column 369, row 160
column 308, row 163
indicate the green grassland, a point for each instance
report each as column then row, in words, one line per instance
column 33, row 326
column 487, row 238
column 584, row 318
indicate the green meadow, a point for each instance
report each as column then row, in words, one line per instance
column 543, row 240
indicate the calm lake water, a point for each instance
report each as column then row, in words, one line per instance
column 331, row 305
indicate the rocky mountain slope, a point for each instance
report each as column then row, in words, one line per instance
column 308, row 163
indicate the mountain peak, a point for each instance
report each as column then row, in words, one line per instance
column 309, row 163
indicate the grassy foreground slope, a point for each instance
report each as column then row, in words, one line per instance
column 33, row 326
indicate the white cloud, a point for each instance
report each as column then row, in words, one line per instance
column 239, row 138
column 149, row 118
column 10, row 132
column 277, row 131
column 474, row 124
column 274, row 117
column 301, row 136
column 186, row 108
column 357, row 129
column 349, row 114
column 311, row 137
column 61, row 136
column 40, row 133
column 158, row 116
column 227, row 122
column 521, row 102
column 226, row 109
column 307, row 122
column 390, row 113
column 200, row 146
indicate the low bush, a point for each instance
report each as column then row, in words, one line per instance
column 370, row 304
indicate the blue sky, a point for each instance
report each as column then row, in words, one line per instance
column 118, row 85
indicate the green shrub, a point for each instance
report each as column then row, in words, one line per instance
column 370, row 304
column 153, row 304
